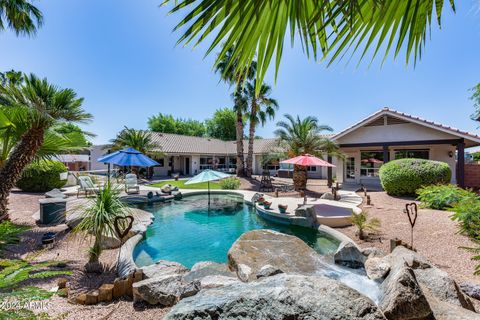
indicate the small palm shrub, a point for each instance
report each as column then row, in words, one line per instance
column 10, row 233
column 98, row 220
column 230, row 183
column 42, row 176
column 363, row 223
column 467, row 214
column 404, row 176
column 442, row 197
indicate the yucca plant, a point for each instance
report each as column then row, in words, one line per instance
column 98, row 220
column 363, row 224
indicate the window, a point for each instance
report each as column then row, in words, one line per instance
column 272, row 165
column 350, row 168
column 418, row 154
column 161, row 162
column 206, row 163
column 312, row 169
column 370, row 163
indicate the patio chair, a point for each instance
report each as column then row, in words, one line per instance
column 131, row 184
column 87, row 186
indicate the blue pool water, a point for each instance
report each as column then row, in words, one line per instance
column 186, row 231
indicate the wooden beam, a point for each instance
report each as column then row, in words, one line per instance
column 329, row 172
column 401, row 143
column 386, row 154
column 461, row 164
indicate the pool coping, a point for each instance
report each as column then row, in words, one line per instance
column 126, row 264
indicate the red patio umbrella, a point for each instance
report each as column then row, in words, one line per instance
column 308, row 160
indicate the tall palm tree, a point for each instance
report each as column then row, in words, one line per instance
column 262, row 106
column 332, row 29
column 137, row 139
column 44, row 105
column 302, row 136
column 227, row 67
column 21, row 16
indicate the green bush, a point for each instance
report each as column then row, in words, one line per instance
column 405, row 176
column 443, row 197
column 230, row 183
column 467, row 214
column 42, row 176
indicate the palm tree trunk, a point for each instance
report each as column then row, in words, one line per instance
column 251, row 138
column 239, row 133
column 21, row 156
column 300, row 177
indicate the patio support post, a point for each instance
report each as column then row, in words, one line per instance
column 461, row 164
column 329, row 173
column 386, row 155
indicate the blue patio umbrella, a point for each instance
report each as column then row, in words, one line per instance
column 207, row 176
column 127, row 158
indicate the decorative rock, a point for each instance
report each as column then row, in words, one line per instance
column 164, row 290
column 327, row 196
column 62, row 283
column 402, row 256
column 471, row 289
column 441, row 286
column 105, row 292
column 91, row 298
column 209, row 264
column 208, row 270
column 373, row 252
column 280, row 297
column 402, row 297
column 81, row 298
column 216, row 281
column 349, row 255
column 446, row 311
column 119, row 288
column 163, row 268
column 268, row 271
column 257, row 248
column 377, row 268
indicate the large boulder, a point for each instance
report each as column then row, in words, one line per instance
column 257, row 248
column 216, row 281
column 163, row 268
column 279, row 297
column 268, row 271
column 349, row 255
column 446, row 311
column 471, row 289
column 164, row 290
column 203, row 269
column 402, row 298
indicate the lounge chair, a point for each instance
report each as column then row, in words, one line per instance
column 168, row 189
column 131, row 184
column 87, row 186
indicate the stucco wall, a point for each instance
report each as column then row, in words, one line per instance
column 95, row 153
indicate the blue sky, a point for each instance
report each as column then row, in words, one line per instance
column 121, row 57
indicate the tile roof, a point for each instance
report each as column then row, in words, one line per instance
column 175, row 143
column 454, row 131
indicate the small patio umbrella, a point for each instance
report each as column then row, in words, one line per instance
column 207, row 176
column 127, row 157
column 308, row 160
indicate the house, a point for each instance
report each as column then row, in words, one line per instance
column 389, row 134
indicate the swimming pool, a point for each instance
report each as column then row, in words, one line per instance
column 188, row 230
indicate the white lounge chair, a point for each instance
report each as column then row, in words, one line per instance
column 131, row 184
column 87, row 186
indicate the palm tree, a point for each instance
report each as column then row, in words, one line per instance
column 261, row 107
column 137, row 139
column 21, row 16
column 227, row 67
column 362, row 223
column 98, row 220
column 326, row 29
column 43, row 105
column 302, row 136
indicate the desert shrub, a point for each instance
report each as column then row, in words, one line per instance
column 42, row 176
column 467, row 214
column 442, row 197
column 363, row 223
column 405, row 176
column 10, row 233
column 230, row 183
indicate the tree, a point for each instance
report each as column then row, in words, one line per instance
column 258, row 29
column 68, row 128
column 43, row 105
column 21, row 16
column 136, row 139
column 261, row 108
column 228, row 68
column 168, row 124
column 303, row 136
column 476, row 102
column 222, row 125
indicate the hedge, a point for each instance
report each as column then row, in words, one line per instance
column 405, row 176
column 42, row 176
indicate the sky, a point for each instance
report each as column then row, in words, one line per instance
column 122, row 57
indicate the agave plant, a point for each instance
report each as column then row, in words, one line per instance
column 98, row 220
column 363, row 224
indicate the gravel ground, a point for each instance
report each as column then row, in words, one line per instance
column 74, row 251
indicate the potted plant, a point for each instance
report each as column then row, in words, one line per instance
column 261, row 200
column 282, row 208
column 267, row 204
